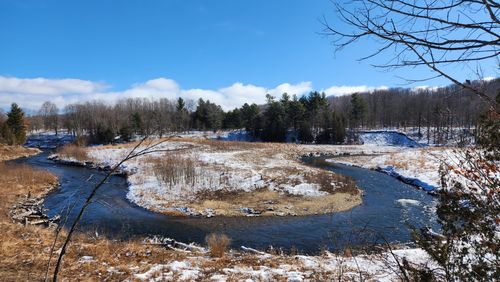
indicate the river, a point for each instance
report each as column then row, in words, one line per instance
column 389, row 209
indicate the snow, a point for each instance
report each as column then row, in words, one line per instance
column 387, row 138
column 242, row 167
column 373, row 267
column 408, row 202
column 416, row 166
column 304, row 189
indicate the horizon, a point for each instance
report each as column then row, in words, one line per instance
column 226, row 52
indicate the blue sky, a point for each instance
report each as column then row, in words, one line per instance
column 186, row 46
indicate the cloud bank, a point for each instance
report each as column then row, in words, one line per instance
column 31, row 93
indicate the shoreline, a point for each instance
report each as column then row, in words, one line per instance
column 259, row 201
column 100, row 258
column 341, row 201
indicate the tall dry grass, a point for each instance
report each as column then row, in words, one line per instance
column 22, row 180
column 174, row 169
column 73, row 151
column 218, row 244
column 24, row 250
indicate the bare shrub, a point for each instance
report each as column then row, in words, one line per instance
column 73, row 151
column 217, row 244
column 173, row 169
column 333, row 182
column 219, row 145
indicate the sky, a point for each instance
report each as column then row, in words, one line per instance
column 227, row 51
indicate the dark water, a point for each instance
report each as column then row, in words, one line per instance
column 381, row 217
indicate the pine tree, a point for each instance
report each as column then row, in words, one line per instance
column 359, row 109
column 15, row 123
column 274, row 121
column 304, row 132
column 338, row 128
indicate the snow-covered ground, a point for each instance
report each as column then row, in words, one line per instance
column 229, row 167
column 418, row 166
column 387, row 138
column 252, row 265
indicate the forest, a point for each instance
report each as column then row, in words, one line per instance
column 312, row 118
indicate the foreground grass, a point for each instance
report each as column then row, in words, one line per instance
column 25, row 251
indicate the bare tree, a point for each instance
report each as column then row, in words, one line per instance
column 50, row 115
column 436, row 34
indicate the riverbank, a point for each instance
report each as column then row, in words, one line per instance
column 416, row 166
column 210, row 178
column 14, row 152
column 25, row 251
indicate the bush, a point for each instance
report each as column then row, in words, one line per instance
column 174, row 169
column 72, row 151
column 217, row 244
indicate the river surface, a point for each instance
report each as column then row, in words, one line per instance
column 389, row 209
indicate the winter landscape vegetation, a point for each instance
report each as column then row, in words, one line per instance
column 250, row 183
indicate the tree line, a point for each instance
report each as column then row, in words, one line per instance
column 441, row 109
column 308, row 119
column 312, row 118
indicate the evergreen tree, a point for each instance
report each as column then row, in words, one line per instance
column 181, row 115
column 296, row 112
column 16, row 125
column 274, row 121
column 251, row 119
column 338, row 128
column 304, row 132
column 137, row 123
column 359, row 109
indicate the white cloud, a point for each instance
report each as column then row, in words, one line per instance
column 31, row 93
column 346, row 90
column 48, row 86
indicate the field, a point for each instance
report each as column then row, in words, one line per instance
column 203, row 177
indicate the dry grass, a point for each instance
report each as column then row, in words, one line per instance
column 21, row 180
column 14, row 152
column 72, row 151
column 397, row 162
column 24, row 251
column 218, row 145
column 217, row 244
column 272, row 203
column 173, row 169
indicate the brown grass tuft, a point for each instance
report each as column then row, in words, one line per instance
column 173, row 169
column 218, row 244
column 74, row 151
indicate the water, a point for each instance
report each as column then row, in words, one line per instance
column 389, row 208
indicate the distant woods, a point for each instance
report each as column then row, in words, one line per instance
column 312, row 118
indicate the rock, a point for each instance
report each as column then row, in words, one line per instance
column 209, row 213
column 85, row 259
column 250, row 211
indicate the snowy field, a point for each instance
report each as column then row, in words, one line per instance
column 253, row 265
column 207, row 177
column 420, row 166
